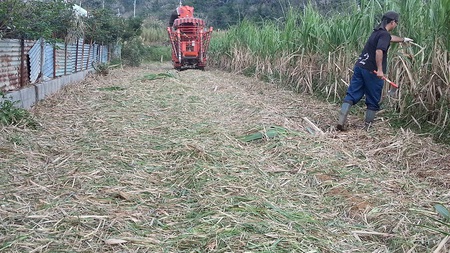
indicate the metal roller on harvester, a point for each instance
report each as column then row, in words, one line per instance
column 190, row 39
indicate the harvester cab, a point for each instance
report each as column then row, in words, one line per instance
column 189, row 38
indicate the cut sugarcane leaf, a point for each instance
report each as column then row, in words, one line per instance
column 157, row 76
column 252, row 137
column 270, row 132
column 115, row 241
column 442, row 211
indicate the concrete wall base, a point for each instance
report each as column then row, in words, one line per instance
column 28, row 96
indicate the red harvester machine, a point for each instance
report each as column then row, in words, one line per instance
column 190, row 40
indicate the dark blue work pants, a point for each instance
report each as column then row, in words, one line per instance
column 365, row 83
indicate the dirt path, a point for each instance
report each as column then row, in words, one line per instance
column 124, row 163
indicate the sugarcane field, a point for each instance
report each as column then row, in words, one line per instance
column 225, row 126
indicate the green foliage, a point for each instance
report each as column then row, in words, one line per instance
column 308, row 30
column 154, row 32
column 158, row 53
column 116, row 61
column 426, row 22
column 133, row 52
column 132, row 28
column 36, row 19
column 104, row 27
column 10, row 114
column 271, row 132
column 10, row 10
column 103, row 68
column 56, row 19
column 315, row 53
column 154, row 37
column 157, row 76
column 138, row 50
column 443, row 212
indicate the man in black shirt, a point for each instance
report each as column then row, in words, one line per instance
column 173, row 16
column 369, row 70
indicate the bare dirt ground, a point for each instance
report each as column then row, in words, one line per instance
column 130, row 163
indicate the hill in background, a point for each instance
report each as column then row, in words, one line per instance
column 219, row 14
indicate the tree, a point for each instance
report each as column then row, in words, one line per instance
column 104, row 27
column 35, row 19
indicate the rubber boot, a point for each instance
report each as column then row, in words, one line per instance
column 345, row 108
column 368, row 120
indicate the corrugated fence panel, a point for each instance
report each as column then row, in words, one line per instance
column 35, row 61
column 22, row 66
column 87, row 56
column 48, row 60
column 25, row 75
column 9, row 64
column 60, row 59
column 71, row 58
column 80, row 55
column 99, row 53
column 92, row 56
column 95, row 53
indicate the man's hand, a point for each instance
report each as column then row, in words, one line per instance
column 380, row 74
column 406, row 40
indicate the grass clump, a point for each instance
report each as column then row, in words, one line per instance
column 102, row 68
column 153, row 76
column 10, row 114
column 133, row 53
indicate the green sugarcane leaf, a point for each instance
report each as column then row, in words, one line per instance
column 252, row 137
column 270, row 132
column 435, row 229
column 442, row 211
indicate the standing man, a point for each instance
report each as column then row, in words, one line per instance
column 369, row 70
column 173, row 16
